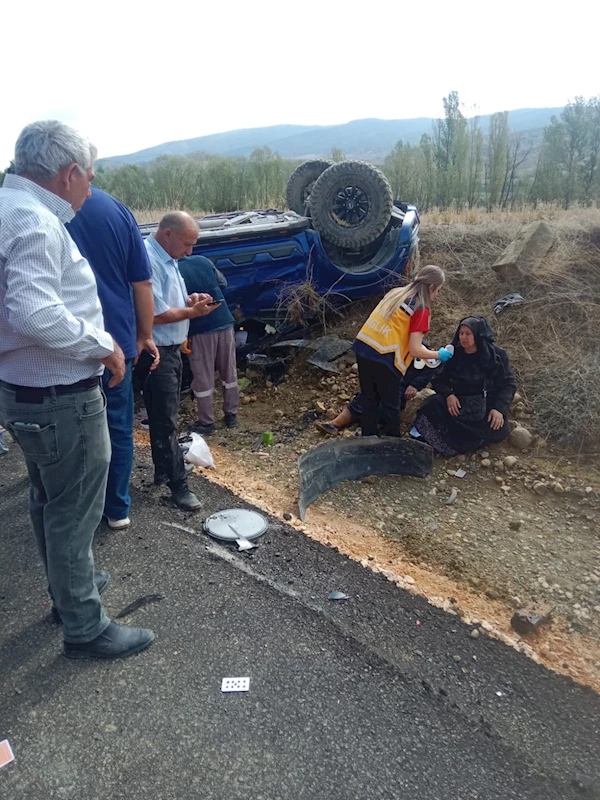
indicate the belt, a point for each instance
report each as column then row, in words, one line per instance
column 168, row 346
column 36, row 394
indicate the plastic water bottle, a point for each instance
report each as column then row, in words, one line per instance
column 3, row 445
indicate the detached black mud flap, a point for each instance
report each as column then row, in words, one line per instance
column 347, row 458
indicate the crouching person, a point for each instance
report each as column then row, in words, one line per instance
column 414, row 381
column 212, row 344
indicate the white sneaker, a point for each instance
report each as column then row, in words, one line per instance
column 117, row 524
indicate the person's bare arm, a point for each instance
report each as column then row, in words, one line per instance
column 417, row 349
column 199, row 306
column 115, row 362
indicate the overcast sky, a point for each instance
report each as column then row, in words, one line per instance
column 131, row 75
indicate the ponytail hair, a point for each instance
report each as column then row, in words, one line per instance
column 419, row 287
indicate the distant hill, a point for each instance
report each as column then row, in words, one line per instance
column 370, row 139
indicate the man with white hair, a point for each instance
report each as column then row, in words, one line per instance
column 173, row 308
column 53, row 350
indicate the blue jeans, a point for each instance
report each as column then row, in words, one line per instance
column 65, row 442
column 119, row 413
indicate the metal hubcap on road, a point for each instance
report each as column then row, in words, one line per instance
column 351, row 206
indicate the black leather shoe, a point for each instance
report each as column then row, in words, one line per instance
column 186, row 500
column 117, row 641
column 204, row 430
column 230, row 420
column 102, row 581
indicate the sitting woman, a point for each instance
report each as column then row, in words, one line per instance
column 473, row 394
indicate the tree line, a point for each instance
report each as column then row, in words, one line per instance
column 456, row 166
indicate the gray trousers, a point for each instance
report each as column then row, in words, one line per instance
column 214, row 352
column 67, row 451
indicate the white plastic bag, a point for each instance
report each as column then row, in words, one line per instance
column 198, row 452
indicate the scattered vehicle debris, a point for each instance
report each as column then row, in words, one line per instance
column 354, row 458
column 235, row 525
column 526, row 622
column 453, row 495
column 244, row 544
column 338, row 596
column 139, row 603
column 328, row 351
column 264, row 366
column 508, row 300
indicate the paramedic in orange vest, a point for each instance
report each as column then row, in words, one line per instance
column 387, row 343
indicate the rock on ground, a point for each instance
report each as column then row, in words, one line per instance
column 523, row 254
column 520, row 438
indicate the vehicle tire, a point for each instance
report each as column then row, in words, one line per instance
column 300, row 183
column 351, row 204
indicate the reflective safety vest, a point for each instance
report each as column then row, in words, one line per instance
column 389, row 337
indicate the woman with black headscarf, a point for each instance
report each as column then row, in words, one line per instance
column 473, row 394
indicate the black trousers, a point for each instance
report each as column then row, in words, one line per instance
column 380, row 389
column 356, row 403
column 162, row 395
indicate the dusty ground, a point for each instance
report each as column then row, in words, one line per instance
column 499, row 547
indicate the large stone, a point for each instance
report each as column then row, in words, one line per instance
column 524, row 254
column 520, row 438
column 414, row 403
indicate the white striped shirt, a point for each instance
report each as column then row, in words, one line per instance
column 51, row 325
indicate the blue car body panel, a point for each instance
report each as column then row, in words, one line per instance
column 263, row 268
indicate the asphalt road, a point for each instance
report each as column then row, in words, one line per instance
column 378, row 696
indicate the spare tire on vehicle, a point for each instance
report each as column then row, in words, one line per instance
column 351, row 204
column 300, row 183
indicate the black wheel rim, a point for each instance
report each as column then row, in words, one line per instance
column 351, row 206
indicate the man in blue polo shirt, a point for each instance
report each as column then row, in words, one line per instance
column 106, row 233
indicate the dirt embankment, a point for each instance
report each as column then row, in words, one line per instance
column 501, row 545
column 552, row 338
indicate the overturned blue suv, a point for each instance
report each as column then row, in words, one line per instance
column 343, row 239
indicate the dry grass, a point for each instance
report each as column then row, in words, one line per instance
column 552, row 339
column 522, row 216
column 145, row 216
column 302, row 302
